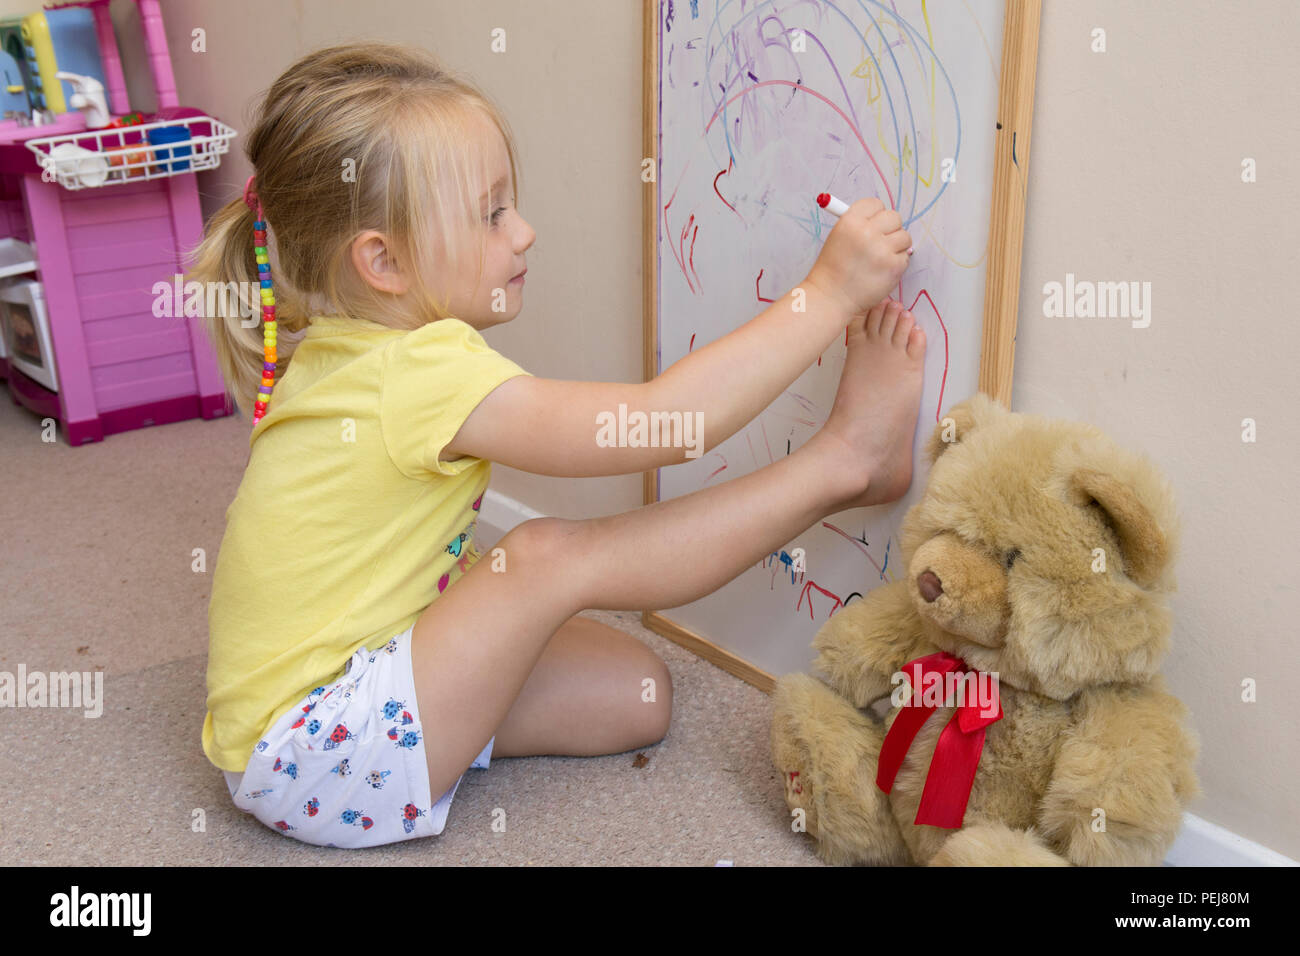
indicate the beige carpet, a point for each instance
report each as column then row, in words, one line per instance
column 98, row 545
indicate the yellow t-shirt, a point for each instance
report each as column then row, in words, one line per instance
column 345, row 526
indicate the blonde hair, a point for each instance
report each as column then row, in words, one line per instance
column 393, row 117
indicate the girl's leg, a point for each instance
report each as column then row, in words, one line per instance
column 588, row 696
column 474, row 648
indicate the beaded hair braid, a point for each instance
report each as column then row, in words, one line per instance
column 268, row 302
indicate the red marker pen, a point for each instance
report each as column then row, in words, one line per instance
column 837, row 208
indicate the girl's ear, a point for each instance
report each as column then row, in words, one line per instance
column 374, row 263
column 955, row 424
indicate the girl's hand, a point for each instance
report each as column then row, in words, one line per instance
column 863, row 257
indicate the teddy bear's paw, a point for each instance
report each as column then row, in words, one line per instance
column 792, row 762
column 826, row 752
column 993, row 844
column 791, row 756
column 798, row 798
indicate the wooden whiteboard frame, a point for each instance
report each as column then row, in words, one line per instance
column 1002, row 274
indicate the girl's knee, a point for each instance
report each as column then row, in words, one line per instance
column 528, row 540
column 544, row 547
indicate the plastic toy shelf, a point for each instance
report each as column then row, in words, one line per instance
column 131, row 154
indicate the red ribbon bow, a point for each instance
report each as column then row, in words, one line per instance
column 956, row 755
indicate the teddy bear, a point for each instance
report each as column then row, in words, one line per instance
column 1001, row 704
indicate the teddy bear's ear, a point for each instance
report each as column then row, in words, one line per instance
column 958, row 421
column 1137, row 505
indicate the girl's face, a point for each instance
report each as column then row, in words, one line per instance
column 499, row 293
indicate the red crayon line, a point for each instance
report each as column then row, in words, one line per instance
column 678, row 248
column 692, row 260
column 814, row 584
column 671, row 245
column 730, row 163
column 944, row 380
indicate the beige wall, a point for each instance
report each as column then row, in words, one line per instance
column 1135, row 176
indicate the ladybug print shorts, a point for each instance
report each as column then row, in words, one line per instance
column 345, row 766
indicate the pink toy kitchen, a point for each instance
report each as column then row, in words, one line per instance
column 98, row 209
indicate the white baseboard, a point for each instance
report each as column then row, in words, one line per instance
column 1202, row 843
column 1199, row 843
column 498, row 515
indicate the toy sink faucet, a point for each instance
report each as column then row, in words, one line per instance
column 87, row 96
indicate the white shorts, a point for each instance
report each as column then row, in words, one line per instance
column 345, row 766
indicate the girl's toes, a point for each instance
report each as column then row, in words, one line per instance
column 874, row 317
column 889, row 321
column 916, row 342
column 904, row 327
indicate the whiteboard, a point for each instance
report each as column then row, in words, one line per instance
column 761, row 107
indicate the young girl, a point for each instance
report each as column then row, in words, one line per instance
column 361, row 657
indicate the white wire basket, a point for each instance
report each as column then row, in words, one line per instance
column 106, row 157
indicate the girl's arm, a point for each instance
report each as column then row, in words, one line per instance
column 563, row 428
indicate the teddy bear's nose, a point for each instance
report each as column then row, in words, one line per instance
column 929, row 585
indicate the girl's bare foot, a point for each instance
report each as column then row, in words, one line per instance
column 879, row 398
